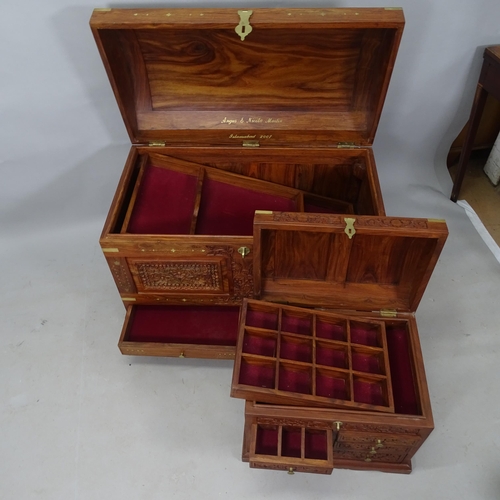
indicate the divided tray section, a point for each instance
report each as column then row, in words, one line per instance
column 172, row 196
column 299, row 356
column 292, row 448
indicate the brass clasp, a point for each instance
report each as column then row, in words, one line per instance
column 243, row 251
column 349, row 227
column 244, row 29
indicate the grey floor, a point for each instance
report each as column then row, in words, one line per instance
column 79, row 420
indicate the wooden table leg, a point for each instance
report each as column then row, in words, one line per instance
column 474, row 120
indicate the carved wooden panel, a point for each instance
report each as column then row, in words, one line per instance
column 292, row 422
column 384, row 429
column 285, row 467
column 179, row 276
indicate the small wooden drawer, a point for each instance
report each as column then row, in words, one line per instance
column 188, row 331
column 291, row 448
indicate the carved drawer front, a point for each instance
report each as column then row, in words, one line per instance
column 180, row 275
column 391, row 448
column 291, row 448
column 208, row 271
column 380, row 440
column 389, row 456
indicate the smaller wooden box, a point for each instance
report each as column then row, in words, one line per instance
column 270, row 109
column 352, row 366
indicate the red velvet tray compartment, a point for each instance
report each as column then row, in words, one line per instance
column 184, row 331
column 291, row 364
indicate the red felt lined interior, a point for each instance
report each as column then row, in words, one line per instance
column 293, row 380
column 229, row 210
column 403, row 386
column 265, row 345
column 368, row 392
column 330, row 386
column 267, row 441
column 365, row 334
column 331, row 357
column 316, row 445
column 331, row 331
column 295, row 349
column 296, row 324
column 291, row 442
column 256, row 373
column 212, row 325
column 366, row 363
column 164, row 203
column 262, row 319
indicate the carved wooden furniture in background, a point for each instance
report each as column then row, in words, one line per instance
column 488, row 83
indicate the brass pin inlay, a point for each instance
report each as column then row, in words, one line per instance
column 349, row 227
column 244, row 28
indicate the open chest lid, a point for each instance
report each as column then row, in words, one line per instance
column 361, row 263
column 269, row 76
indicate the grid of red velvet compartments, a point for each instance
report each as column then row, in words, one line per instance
column 293, row 446
column 298, row 356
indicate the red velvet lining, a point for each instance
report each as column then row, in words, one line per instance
column 310, row 207
column 229, row 210
column 368, row 392
column 331, row 331
column 257, row 374
column 164, row 203
column 262, row 319
column 207, row 325
column 264, row 345
column 296, row 324
column 316, row 445
column 331, row 357
column 403, row 387
column 293, row 380
column 267, row 441
column 365, row 334
column 295, row 349
column 291, row 442
column 329, row 386
column 366, row 363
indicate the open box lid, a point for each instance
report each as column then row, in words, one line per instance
column 269, row 76
column 364, row 263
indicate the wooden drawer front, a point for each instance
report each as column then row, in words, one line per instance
column 394, row 455
column 375, row 429
column 181, row 276
column 221, row 272
column 291, row 448
column 291, row 422
column 290, row 468
column 390, row 448
column 378, row 440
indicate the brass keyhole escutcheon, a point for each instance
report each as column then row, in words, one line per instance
column 290, row 471
column 243, row 251
column 244, row 28
column 349, row 227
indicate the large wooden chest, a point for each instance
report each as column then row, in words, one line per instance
column 231, row 111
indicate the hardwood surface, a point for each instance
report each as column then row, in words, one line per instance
column 158, row 57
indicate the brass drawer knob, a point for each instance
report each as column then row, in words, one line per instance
column 379, row 444
column 290, row 471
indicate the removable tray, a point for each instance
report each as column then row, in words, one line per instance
column 297, row 356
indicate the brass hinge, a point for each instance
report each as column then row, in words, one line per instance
column 388, row 313
column 157, row 144
column 346, row 145
column 251, row 144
